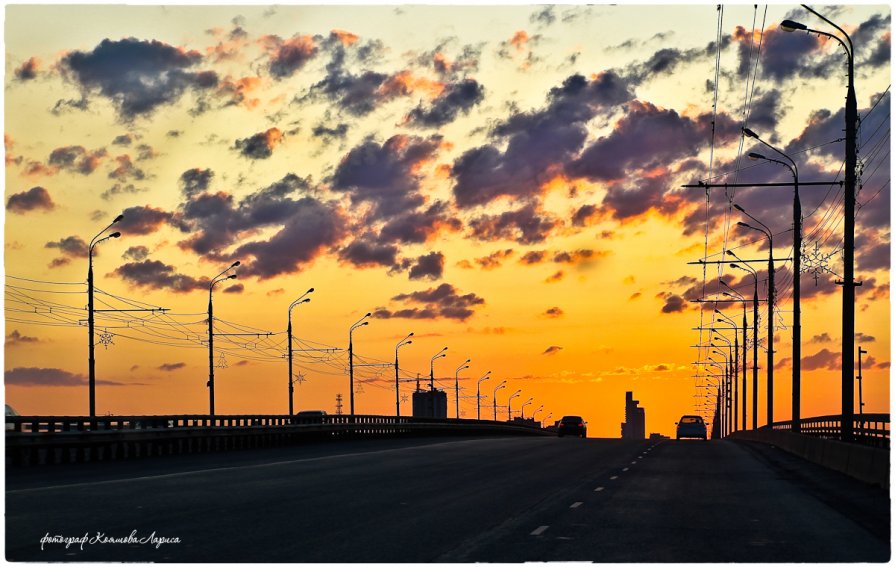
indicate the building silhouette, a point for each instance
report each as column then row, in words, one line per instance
column 430, row 403
column 634, row 426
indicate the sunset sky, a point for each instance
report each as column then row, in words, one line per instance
column 504, row 181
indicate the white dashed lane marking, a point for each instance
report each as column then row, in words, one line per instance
column 576, row 504
column 598, row 489
column 613, row 477
column 625, row 469
column 540, row 530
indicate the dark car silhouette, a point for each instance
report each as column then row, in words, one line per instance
column 691, row 426
column 572, row 425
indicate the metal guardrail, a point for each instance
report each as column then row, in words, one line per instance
column 57, row 439
column 869, row 429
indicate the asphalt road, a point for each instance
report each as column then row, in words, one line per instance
column 460, row 500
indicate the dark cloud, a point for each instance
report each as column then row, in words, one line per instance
column 575, row 256
column 824, row 359
column 121, row 189
column 862, row 338
column 554, row 313
column 821, row 338
column 142, row 220
column 583, row 215
column 236, row 288
column 154, row 274
column 543, row 17
column 123, row 140
column 385, row 175
column 138, row 253
column 429, row 266
column 533, row 257
column 72, row 246
column 416, row 227
column 538, row 143
column 457, row 98
column 195, row 180
column 329, row 133
column 171, row 366
column 289, row 55
column 552, row 350
column 495, row 259
column 76, row 159
column 674, row 304
column 365, row 253
column 31, row 376
column 126, row 170
column 36, row 198
column 555, row 277
column 137, row 76
column 527, row 225
column 16, row 338
column 260, row 145
column 443, row 301
column 27, row 70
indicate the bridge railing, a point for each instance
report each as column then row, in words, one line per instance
column 59, row 439
column 869, row 429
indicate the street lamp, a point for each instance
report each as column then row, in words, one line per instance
column 723, row 388
column 527, row 402
column 457, row 385
column 509, row 405
column 403, row 342
column 735, row 370
column 360, row 323
column 478, row 395
column 771, row 293
column 796, row 282
column 745, row 327
column 214, row 281
column 540, row 407
column 298, row 301
column 750, row 270
column 500, row 386
column 91, row 340
column 440, row 354
column 848, row 246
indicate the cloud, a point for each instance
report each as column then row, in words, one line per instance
column 533, row 257
column 28, row 70
column 363, row 253
column 70, row 246
column 556, row 277
column 526, row 225
column 121, row 189
column 457, row 98
column 442, row 302
column 537, row 142
column 137, row 76
column 551, row 350
column 821, row 338
column 495, row 259
column 15, row 338
column 330, row 133
column 126, row 169
column 76, row 159
column 288, row 55
column 583, row 215
column 385, row 175
column 553, row 313
column 141, row 220
column 261, row 145
column 543, row 17
column 154, row 274
column 823, row 359
column 32, row 376
column 579, row 256
column 196, row 180
column 862, row 338
column 171, row 366
column 429, row 266
column 36, row 198
column 138, row 253
column 673, row 303
column 236, row 288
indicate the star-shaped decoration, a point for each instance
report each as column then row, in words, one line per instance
column 359, row 389
column 105, row 339
column 404, row 397
column 299, row 379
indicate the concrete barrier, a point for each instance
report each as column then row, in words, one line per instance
column 867, row 464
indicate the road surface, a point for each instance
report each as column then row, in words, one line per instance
column 452, row 500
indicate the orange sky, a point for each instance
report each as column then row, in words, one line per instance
column 496, row 180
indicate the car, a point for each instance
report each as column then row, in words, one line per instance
column 691, row 426
column 572, row 425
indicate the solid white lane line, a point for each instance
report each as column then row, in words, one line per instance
column 576, row 504
column 540, row 530
column 598, row 489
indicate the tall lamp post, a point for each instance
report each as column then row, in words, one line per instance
column 440, row 354
column 730, row 378
column 527, row 402
column 771, row 294
column 500, row 386
column 360, row 323
column 745, row 328
column 457, row 385
column 736, row 364
column 848, row 246
column 510, row 404
column 214, row 281
column 478, row 394
column 749, row 269
column 796, row 280
column 91, row 340
column 298, row 301
column 403, row 342
column 534, row 415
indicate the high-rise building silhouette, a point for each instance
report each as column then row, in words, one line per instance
column 634, row 426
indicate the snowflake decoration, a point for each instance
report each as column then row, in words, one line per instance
column 816, row 262
column 105, row 339
column 359, row 389
column 299, row 379
column 222, row 362
column 404, row 397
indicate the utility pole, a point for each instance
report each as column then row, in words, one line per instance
column 210, row 384
column 861, row 351
column 360, row 323
column 91, row 340
column 298, row 301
